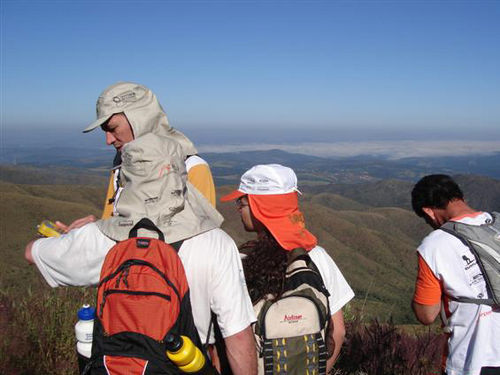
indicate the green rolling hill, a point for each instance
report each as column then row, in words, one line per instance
column 367, row 228
column 25, row 206
column 481, row 192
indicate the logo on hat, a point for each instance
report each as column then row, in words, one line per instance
column 126, row 223
column 126, row 97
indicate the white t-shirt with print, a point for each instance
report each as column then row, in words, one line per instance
column 475, row 329
column 211, row 262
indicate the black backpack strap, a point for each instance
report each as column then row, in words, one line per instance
column 177, row 245
column 301, row 254
column 212, row 318
column 297, row 254
column 145, row 223
column 88, row 366
column 312, row 276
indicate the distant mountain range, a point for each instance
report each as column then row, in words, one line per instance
column 312, row 170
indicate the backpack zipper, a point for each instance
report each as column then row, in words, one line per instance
column 137, row 262
column 131, row 292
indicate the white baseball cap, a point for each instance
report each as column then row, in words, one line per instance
column 265, row 179
column 272, row 196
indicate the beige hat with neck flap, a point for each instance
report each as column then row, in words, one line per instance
column 143, row 112
column 154, row 180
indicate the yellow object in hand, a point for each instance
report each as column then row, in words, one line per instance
column 48, row 229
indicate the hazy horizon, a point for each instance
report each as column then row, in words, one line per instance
column 309, row 142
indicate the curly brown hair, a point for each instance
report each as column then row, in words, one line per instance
column 264, row 266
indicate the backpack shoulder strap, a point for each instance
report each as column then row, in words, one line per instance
column 450, row 227
column 476, row 301
column 456, row 228
column 454, row 225
column 300, row 261
column 177, row 245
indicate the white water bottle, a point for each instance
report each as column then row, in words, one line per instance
column 83, row 330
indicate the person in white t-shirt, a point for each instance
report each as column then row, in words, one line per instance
column 448, row 270
column 155, row 186
column 267, row 201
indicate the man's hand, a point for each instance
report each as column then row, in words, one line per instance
column 241, row 352
column 27, row 252
column 78, row 223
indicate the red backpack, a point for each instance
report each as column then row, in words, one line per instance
column 142, row 296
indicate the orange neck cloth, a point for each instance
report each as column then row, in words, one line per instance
column 280, row 214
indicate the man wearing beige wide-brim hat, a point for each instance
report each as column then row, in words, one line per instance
column 125, row 111
column 155, row 186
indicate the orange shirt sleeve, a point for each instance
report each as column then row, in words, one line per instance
column 201, row 178
column 428, row 290
column 108, row 207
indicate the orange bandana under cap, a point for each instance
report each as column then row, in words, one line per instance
column 280, row 214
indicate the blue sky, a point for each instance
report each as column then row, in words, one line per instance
column 297, row 69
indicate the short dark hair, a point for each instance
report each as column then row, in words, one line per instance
column 436, row 191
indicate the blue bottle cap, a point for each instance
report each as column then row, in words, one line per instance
column 86, row 313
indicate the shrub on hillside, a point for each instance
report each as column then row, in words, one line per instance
column 39, row 339
column 382, row 349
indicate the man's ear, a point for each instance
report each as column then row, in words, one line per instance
column 429, row 212
column 430, row 217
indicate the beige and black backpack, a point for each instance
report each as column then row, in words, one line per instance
column 292, row 329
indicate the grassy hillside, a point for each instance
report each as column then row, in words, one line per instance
column 367, row 228
column 374, row 246
column 37, row 322
column 51, row 175
column 25, row 206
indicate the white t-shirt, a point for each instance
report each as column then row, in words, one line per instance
column 193, row 161
column 335, row 283
column 211, row 261
column 475, row 329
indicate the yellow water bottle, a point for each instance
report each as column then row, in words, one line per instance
column 48, row 229
column 184, row 354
